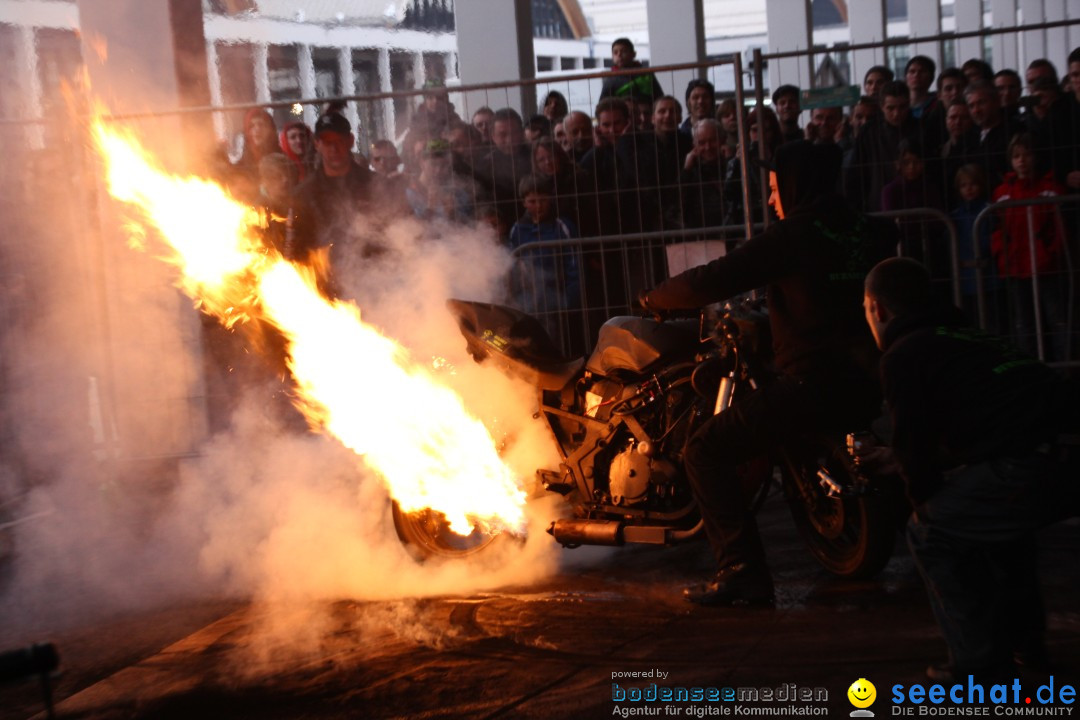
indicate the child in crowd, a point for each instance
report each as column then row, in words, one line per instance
column 971, row 188
column 545, row 281
column 914, row 188
column 1013, row 247
column 436, row 194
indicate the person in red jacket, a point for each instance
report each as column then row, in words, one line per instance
column 1013, row 246
column 298, row 144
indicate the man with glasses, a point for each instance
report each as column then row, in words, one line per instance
column 385, row 160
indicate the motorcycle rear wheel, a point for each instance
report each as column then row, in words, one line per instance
column 426, row 534
column 851, row 536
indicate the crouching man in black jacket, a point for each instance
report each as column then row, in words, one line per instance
column 976, row 432
column 813, row 263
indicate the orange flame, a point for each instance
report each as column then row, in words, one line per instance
column 352, row 381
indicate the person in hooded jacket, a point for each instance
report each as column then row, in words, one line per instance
column 298, row 144
column 980, row 431
column 812, row 262
column 260, row 139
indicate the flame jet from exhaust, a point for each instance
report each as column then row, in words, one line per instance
column 352, row 381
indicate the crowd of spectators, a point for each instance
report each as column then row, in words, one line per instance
column 646, row 160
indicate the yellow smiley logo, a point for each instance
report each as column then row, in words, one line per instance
column 862, row 693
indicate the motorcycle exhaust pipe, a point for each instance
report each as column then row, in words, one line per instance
column 586, row 532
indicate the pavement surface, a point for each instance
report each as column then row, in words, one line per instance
column 563, row 648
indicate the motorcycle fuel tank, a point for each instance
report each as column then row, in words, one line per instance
column 518, row 341
column 633, row 344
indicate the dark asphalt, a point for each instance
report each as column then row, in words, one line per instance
column 550, row 650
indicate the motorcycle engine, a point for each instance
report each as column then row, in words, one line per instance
column 631, row 474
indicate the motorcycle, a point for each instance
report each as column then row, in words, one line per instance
column 620, row 420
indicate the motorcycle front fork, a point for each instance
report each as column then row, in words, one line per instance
column 832, row 487
column 723, row 395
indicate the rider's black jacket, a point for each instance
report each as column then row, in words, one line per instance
column 959, row 396
column 812, row 263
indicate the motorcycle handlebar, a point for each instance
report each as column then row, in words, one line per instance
column 662, row 315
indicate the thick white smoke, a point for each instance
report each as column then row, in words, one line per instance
column 266, row 509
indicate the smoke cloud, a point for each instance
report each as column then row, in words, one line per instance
column 120, row 497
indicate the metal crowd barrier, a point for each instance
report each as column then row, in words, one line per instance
column 572, row 314
column 613, row 269
column 574, row 325
column 927, row 243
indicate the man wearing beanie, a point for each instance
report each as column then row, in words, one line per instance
column 327, row 204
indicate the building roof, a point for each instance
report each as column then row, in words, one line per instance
column 367, row 12
column 347, row 12
column 575, row 18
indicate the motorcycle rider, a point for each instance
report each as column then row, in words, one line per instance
column 812, row 262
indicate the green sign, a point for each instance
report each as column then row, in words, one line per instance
column 843, row 96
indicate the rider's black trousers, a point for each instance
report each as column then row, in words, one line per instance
column 756, row 423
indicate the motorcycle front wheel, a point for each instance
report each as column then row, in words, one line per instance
column 851, row 536
column 426, row 534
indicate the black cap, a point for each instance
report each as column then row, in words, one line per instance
column 332, row 122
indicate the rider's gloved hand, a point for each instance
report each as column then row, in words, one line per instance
column 643, row 300
column 876, row 459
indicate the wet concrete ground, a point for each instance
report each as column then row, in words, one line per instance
column 552, row 650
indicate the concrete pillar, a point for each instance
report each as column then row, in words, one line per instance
column 213, row 76
column 1057, row 39
column 305, row 67
column 924, row 19
column 155, row 60
column 347, row 86
column 866, row 21
column 1003, row 15
column 1034, row 41
column 30, row 84
column 261, row 69
column 676, row 36
column 419, row 70
column 386, row 86
column 495, row 43
column 969, row 17
column 790, row 28
column 152, row 384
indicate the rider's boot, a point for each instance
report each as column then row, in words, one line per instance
column 740, row 583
